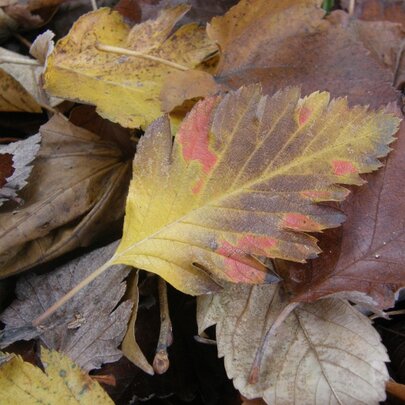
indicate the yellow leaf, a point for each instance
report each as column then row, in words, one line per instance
column 62, row 383
column 124, row 88
column 242, row 181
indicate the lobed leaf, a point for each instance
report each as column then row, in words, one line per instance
column 242, row 181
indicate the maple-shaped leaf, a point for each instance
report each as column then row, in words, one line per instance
column 62, row 383
column 323, row 353
column 124, row 88
column 242, row 181
column 368, row 264
column 15, row 166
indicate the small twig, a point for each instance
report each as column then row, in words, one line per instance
column 351, row 7
column 130, row 52
column 36, row 322
column 48, row 108
column 389, row 313
column 161, row 360
column 255, row 370
column 19, row 61
column 93, row 5
column 23, row 40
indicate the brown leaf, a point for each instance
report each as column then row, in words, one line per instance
column 289, row 43
column 15, row 166
column 76, row 194
column 130, row 347
column 370, row 260
column 326, row 352
column 378, row 10
column 88, row 328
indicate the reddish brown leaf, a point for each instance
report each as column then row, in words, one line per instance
column 370, row 260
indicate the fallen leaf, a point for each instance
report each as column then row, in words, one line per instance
column 15, row 166
column 130, row 347
column 90, row 327
column 368, row 264
column 14, row 97
column 21, row 89
column 62, row 383
column 201, row 207
column 110, row 78
column 378, row 10
column 42, row 47
column 326, row 352
column 201, row 10
column 76, row 194
column 291, row 43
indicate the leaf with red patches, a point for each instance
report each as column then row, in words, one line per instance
column 241, row 183
column 15, row 166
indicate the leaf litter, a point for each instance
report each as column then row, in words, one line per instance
column 170, row 226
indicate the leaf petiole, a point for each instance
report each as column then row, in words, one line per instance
column 51, row 310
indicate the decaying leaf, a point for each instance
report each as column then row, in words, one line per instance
column 76, row 194
column 62, row 383
column 130, row 347
column 16, row 165
column 124, row 88
column 20, row 85
column 287, row 43
column 241, row 182
column 370, row 259
column 323, row 353
column 42, row 47
column 89, row 327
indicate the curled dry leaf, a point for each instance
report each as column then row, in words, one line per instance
column 326, row 352
column 130, row 347
column 368, row 265
column 76, row 193
column 185, row 219
column 16, row 165
column 62, row 383
column 90, row 327
column 285, row 43
column 124, row 88
column 21, row 88
column 42, row 46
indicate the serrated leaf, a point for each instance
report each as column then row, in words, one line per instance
column 90, row 327
column 241, row 182
column 62, row 383
column 323, row 353
column 15, row 166
column 125, row 89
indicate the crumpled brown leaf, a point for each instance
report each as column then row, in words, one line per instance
column 89, row 327
column 289, row 43
column 326, row 352
column 76, row 194
column 15, row 166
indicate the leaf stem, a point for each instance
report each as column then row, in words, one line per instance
column 255, row 370
column 51, row 310
column 130, row 52
column 161, row 360
column 19, row 61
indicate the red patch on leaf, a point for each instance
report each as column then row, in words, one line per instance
column 6, row 167
column 240, row 266
column 303, row 115
column 300, row 222
column 343, row 167
column 193, row 134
